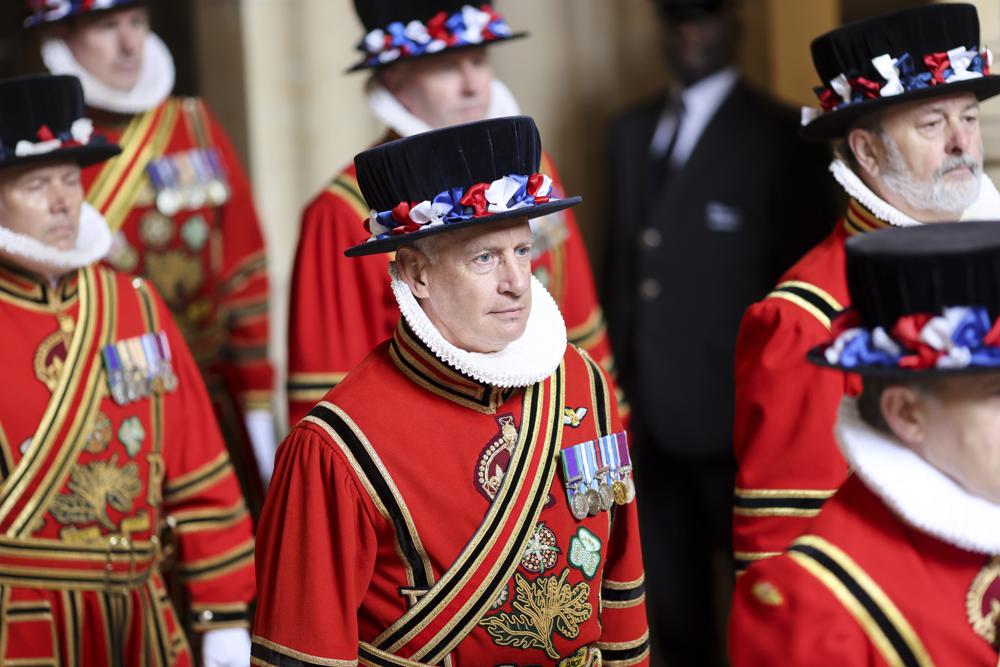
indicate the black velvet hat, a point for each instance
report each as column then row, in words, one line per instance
column 398, row 30
column 45, row 12
column 456, row 177
column 913, row 54
column 41, row 119
column 925, row 301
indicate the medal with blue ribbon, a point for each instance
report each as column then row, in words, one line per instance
column 572, row 462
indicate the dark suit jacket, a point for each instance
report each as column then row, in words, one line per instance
column 751, row 198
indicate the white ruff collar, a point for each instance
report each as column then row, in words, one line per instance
column 529, row 359
column 92, row 243
column 388, row 109
column 156, row 80
column 986, row 206
column 923, row 496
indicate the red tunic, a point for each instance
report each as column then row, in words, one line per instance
column 398, row 473
column 862, row 588
column 788, row 460
column 343, row 307
column 90, row 484
column 208, row 262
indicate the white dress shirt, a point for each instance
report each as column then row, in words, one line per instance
column 701, row 101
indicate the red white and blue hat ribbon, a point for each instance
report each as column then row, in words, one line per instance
column 958, row 338
column 512, row 192
column 50, row 11
column 80, row 134
column 901, row 75
column 467, row 27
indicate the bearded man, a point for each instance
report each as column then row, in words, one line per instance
column 901, row 95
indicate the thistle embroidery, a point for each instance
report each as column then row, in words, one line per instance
column 95, row 486
column 542, row 607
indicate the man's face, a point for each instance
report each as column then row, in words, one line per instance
column 445, row 89
column 478, row 291
column 962, row 432
column 43, row 202
column 110, row 45
column 932, row 157
column 698, row 47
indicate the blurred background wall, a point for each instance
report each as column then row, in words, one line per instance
column 273, row 70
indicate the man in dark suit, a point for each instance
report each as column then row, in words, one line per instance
column 713, row 196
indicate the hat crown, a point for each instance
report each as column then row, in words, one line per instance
column 893, row 273
column 41, row 12
column 375, row 14
column 27, row 104
column 420, row 167
column 919, row 31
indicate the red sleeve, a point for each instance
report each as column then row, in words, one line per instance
column 625, row 633
column 788, row 461
column 244, row 284
column 575, row 291
column 202, row 499
column 339, row 307
column 783, row 615
column 317, row 549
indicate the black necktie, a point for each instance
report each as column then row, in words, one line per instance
column 660, row 168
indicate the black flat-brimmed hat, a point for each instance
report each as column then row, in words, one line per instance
column 45, row 12
column 397, row 30
column 909, row 55
column 41, row 119
column 473, row 174
column 925, row 301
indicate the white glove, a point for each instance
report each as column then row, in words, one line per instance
column 226, row 647
column 264, row 440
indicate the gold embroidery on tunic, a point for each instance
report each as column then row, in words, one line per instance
column 93, row 487
column 543, row 607
column 50, row 358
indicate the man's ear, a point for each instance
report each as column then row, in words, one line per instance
column 905, row 411
column 867, row 149
column 412, row 265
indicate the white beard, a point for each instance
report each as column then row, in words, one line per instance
column 937, row 195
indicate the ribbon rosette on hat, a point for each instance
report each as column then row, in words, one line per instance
column 510, row 193
column 468, row 26
column 79, row 134
column 959, row 338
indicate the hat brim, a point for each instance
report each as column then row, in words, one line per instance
column 363, row 65
column 82, row 155
column 833, row 124
column 393, row 243
column 817, row 358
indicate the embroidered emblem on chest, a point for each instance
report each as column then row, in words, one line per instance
column 100, row 436
column 585, row 552
column 132, row 433
column 177, row 275
column 982, row 603
column 495, row 458
column 93, row 487
column 574, row 417
column 50, row 356
column 542, row 552
column 544, row 607
column 156, row 230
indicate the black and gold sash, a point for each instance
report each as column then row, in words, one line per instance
column 453, row 606
column 59, row 438
column 117, row 186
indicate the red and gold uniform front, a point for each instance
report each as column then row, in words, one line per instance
column 789, row 463
column 207, row 262
column 862, row 588
column 341, row 308
column 393, row 536
column 88, row 484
